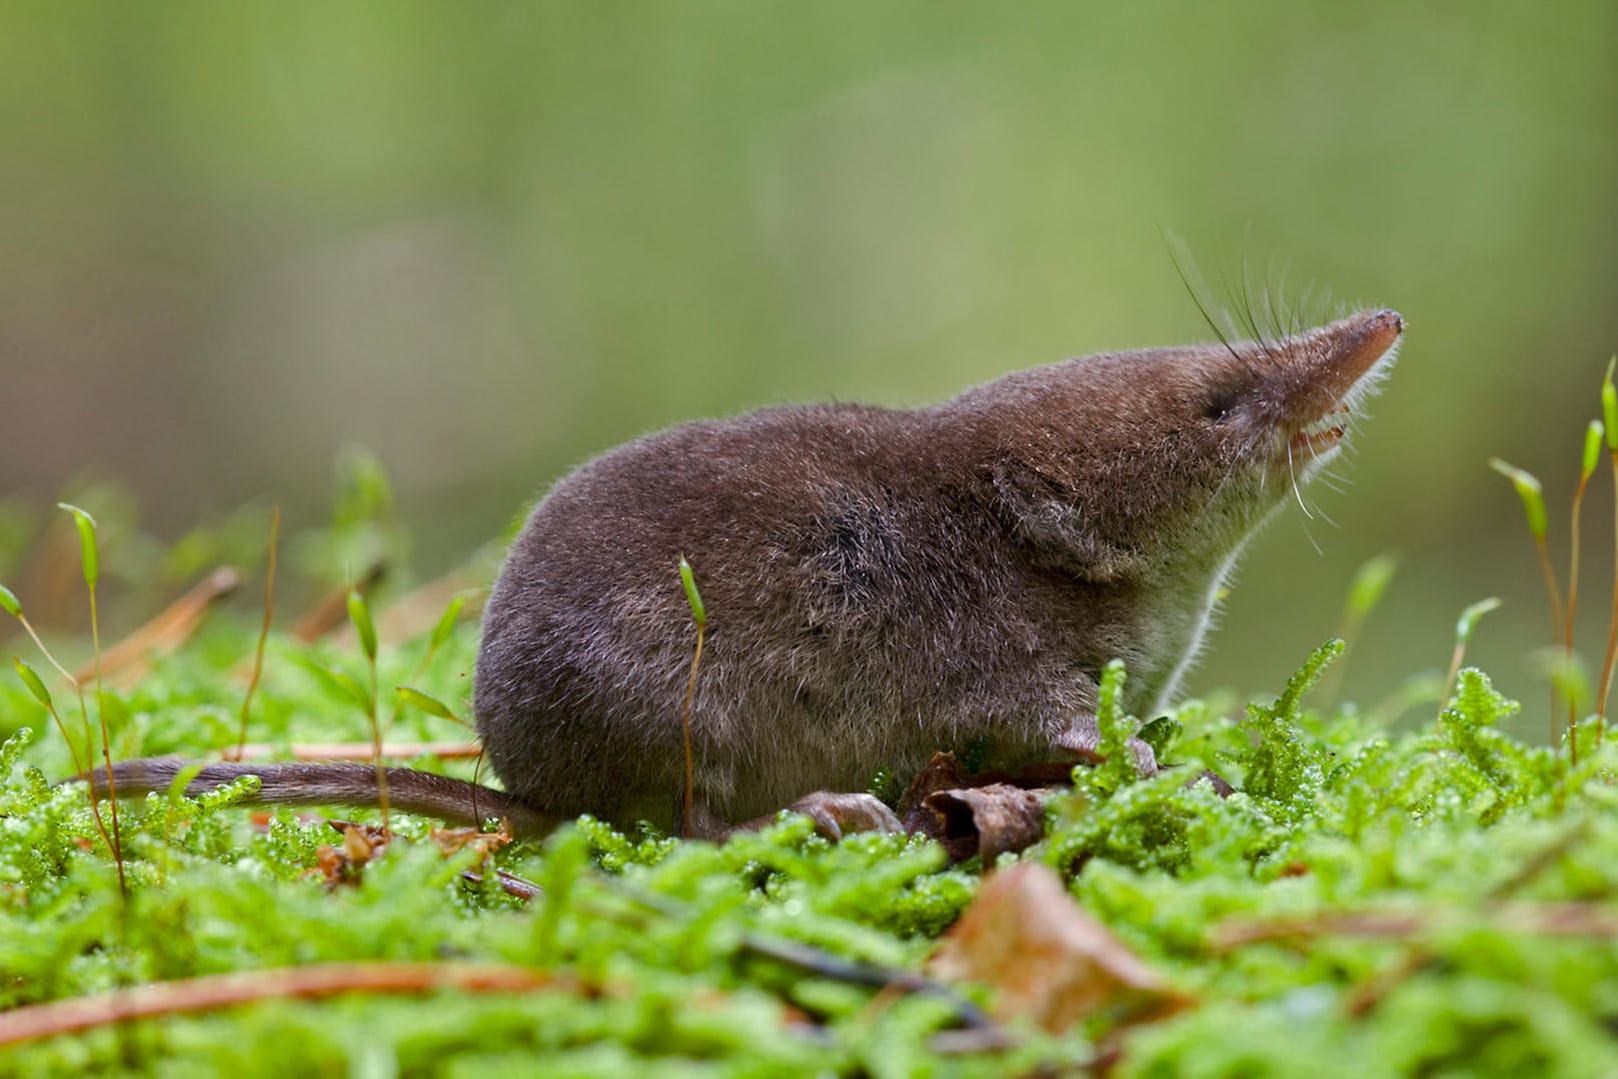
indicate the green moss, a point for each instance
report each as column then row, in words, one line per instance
column 694, row 952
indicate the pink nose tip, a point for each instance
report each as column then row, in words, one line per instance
column 1389, row 318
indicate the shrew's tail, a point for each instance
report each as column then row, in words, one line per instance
column 454, row 801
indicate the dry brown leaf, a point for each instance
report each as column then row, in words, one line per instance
column 345, row 863
column 330, row 611
column 125, row 663
column 987, row 821
column 418, row 611
column 985, row 813
column 1048, row 960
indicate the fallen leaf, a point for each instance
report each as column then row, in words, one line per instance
column 415, row 613
column 987, row 821
column 1047, row 960
column 127, row 662
column 986, row 813
column 330, row 611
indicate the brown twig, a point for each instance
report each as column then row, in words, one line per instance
column 352, row 751
column 1371, row 992
column 1542, row 919
column 1542, row 860
column 223, row 990
column 1419, row 956
column 510, row 883
column 803, row 957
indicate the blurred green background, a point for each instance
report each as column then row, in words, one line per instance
column 490, row 240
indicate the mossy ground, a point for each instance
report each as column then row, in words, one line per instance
column 1489, row 864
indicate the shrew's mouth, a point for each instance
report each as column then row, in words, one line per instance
column 1321, row 436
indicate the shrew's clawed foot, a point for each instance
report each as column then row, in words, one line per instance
column 835, row 814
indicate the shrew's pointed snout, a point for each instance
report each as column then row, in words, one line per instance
column 1320, row 384
column 1356, row 343
column 1337, row 356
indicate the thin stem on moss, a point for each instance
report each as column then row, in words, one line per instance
column 1612, row 624
column 699, row 615
column 263, row 631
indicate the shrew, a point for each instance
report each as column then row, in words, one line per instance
column 880, row 584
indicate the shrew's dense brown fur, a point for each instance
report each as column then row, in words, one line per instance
column 880, row 584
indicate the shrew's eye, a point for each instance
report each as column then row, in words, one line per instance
column 1220, row 403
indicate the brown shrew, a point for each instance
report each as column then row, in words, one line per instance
column 880, row 584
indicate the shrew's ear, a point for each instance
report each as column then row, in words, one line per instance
column 1039, row 510
column 1082, row 738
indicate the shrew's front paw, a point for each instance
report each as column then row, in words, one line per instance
column 1082, row 739
column 835, row 813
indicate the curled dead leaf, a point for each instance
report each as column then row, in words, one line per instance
column 987, row 821
column 986, row 813
column 345, row 863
